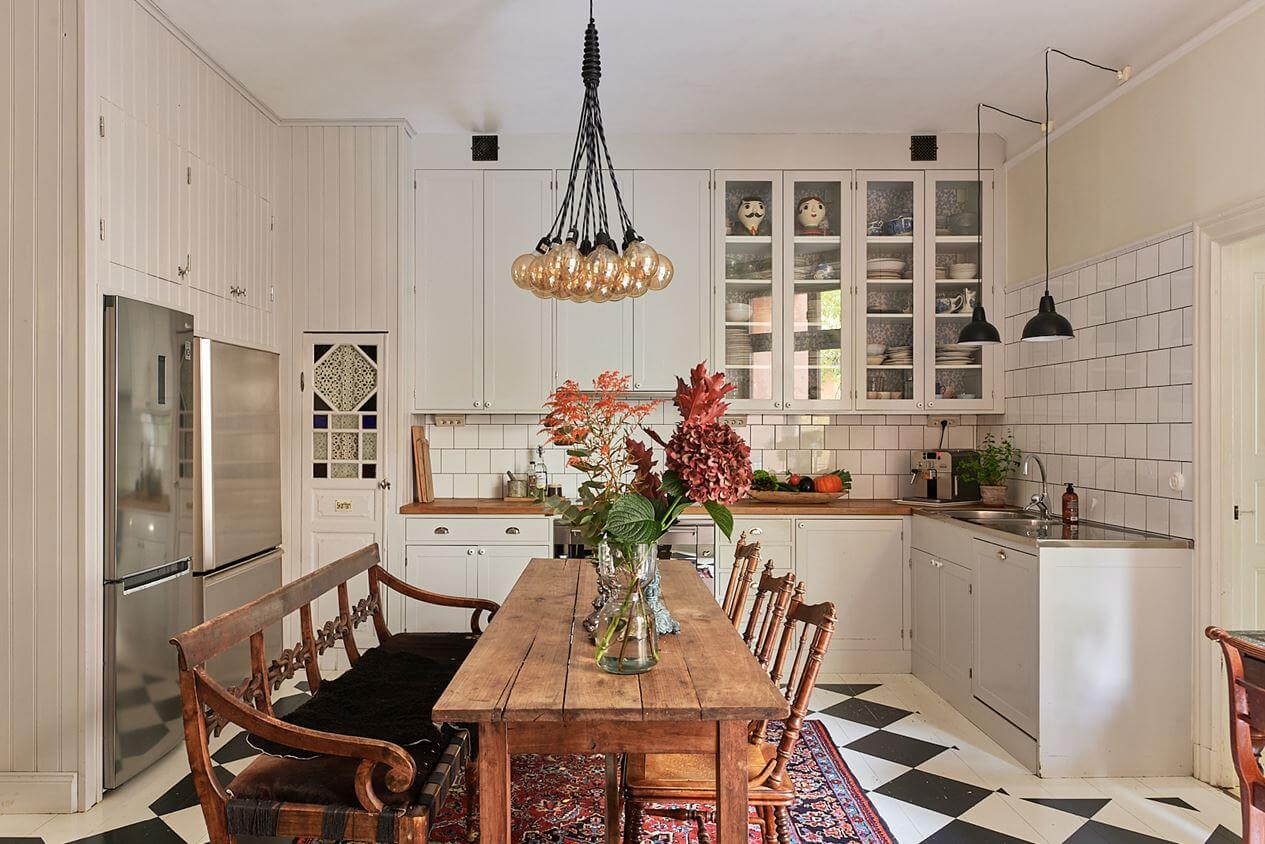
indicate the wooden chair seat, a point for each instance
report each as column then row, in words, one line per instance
column 672, row 773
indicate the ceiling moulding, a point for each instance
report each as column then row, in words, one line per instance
column 400, row 122
column 1244, row 11
column 161, row 16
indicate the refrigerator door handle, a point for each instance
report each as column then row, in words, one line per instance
column 156, row 577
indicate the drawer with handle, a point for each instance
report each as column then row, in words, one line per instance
column 478, row 530
column 766, row 531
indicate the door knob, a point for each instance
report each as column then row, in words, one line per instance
column 1001, row 555
column 384, row 484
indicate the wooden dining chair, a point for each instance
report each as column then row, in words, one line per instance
column 746, row 561
column 1245, row 671
column 768, row 613
column 678, row 778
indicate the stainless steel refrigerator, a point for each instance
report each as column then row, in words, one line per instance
column 148, row 449
column 237, row 555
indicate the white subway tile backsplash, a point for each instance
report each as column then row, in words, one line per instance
column 465, row 436
column 1157, row 441
column 1170, row 255
column 1126, row 267
column 1148, row 333
column 1135, row 299
column 1157, row 294
column 1148, row 262
column 1182, row 288
column 1157, row 368
column 1106, row 274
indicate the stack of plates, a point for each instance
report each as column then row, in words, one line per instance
column 962, row 271
column 955, row 354
column 885, row 268
column 899, row 356
column 737, row 346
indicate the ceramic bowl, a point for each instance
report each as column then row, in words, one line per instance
column 899, row 226
column 875, row 228
column 874, row 394
column 875, row 360
column 738, row 312
column 958, row 271
column 885, row 265
column 875, row 349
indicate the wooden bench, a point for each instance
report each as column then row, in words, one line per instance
column 346, row 780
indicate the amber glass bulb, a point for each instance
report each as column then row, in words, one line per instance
column 662, row 273
column 604, row 264
column 520, row 270
column 569, row 259
column 601, row 292
column 641, row 259
column 639, row 288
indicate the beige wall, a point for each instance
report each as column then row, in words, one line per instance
column 1184, row 143
column 40, row 414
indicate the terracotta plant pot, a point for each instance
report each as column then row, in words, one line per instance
column 993, row 496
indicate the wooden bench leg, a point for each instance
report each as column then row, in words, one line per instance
column 494, row 783
column 731, row 782
column 471, row 796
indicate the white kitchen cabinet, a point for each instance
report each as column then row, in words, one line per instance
column 925, row 602
column 482, row 343
column 447, row 569
column 501, row 565
column 1007, row 665
column 957, row 623
column 860, row 565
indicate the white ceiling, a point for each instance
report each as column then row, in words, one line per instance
column 512, row 66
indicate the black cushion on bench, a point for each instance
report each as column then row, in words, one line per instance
column 387, row 695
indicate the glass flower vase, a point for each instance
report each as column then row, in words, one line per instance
column 604, row 564
column 627, row 642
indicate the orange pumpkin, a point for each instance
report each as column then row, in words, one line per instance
column 828, row 483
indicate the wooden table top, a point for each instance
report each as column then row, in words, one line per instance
column 535, row 662
column 747, row 507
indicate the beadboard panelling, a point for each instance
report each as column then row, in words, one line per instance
column 341, row 239
column 1111, row 409
column 40, row 562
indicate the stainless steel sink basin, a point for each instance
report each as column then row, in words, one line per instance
column 1016, row 522
column 985, row 515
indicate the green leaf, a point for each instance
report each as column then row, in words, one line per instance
column 721, row 516
column 632, row 519
column 673, row 485
column 577, row 452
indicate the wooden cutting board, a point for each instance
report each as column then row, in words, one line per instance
column 424, row 482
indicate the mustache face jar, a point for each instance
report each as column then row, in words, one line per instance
column 751, row 213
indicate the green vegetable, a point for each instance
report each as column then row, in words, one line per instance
column 764, row 481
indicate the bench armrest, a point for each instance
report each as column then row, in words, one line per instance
column 408, row 590
column 401, row 769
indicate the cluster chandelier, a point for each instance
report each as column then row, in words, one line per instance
column 577, row 259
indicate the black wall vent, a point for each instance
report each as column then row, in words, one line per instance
column 484, row 147
column 922, row 147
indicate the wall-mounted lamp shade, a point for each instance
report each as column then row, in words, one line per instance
column 1048, row 324
column 979, row 331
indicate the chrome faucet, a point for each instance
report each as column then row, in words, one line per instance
column 1038, row 502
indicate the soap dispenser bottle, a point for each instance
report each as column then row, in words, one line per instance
column 1071, row 506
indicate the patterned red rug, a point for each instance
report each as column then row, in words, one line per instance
column 558, row 800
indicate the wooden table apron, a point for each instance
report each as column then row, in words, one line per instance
column 532, row 686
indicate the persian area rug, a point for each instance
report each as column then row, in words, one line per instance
column 559, row 800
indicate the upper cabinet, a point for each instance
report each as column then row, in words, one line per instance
column 481, row 343
column 664, row 333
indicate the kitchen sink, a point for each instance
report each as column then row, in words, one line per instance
column 1016, row 522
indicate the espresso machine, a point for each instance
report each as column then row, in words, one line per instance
column 936, row 479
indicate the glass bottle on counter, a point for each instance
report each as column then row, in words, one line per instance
column 539, row 474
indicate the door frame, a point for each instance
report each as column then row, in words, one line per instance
column 1217, row 579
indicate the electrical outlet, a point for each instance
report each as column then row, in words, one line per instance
column 734, row 421
column 450, row 421
column 937, row 421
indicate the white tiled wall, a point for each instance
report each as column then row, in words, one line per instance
column 470, row 461
column 1110, row 410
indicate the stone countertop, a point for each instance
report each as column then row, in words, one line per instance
column 496, row 507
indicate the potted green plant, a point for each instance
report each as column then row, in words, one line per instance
column 989, row 466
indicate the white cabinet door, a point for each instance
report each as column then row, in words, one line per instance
column 957, row 617
column 517, row 326
column 449, row 302
column 1006, row 629
column 593, row 338
column 927, row 623
column 859, row 564
column 448, row 569
column 672, row 327
column 501, row 565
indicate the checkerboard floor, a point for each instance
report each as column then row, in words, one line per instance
column 933, row 776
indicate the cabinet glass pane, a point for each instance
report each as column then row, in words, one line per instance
column 749, row 305
column 817, row 300
column 891, row 308
column 958, row 288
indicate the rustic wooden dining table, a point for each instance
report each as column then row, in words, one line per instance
column 531, row 685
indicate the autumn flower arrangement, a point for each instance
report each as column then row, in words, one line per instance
column 625, row 505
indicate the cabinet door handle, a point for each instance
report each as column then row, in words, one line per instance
column 441, row 530
column 513, row 531
column 937, row 564
column 756, row 531
column 1001, row 555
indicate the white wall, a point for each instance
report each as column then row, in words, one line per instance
column 40, row 416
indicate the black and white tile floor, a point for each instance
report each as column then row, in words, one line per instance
column 933, row 776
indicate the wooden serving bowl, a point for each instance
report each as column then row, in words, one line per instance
column 780, row 497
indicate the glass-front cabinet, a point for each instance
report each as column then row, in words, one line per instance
column 817, row 304
column 891, row 301
column 960, row 273
column 749, row 285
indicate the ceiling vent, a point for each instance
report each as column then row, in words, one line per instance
column 922, row 147
column 484, row 147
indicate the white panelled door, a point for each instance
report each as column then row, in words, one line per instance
column 345, row 426
column 1250, row 457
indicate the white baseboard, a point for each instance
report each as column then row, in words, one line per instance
column 38, row 792
column 839, row 661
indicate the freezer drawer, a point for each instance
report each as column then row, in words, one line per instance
column 228, row 589
column 142, row 696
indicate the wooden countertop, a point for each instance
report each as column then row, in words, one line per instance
column 496, row 507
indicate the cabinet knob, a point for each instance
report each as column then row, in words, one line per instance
column 482, row 551
column 469, row 552
column 1001, row 555
column 788, row 404
column 777, row 404
column 513, row 531
column 476, row 404
column 637, row 385
column 441, row 530
column 920, row 404
column 937, row 564
column 931, row 404
column 487, row 404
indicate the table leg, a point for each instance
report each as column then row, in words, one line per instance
column 614, row 798
column 494, row 783
column 731, row 782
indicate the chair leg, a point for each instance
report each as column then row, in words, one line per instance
column 768, row 825
column 471, row 799
column 783, row 817
column 632, row 821
column 614, row 797
column 700, row 820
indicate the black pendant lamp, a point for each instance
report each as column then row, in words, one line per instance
column 979, row 331
column 1049, row 324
